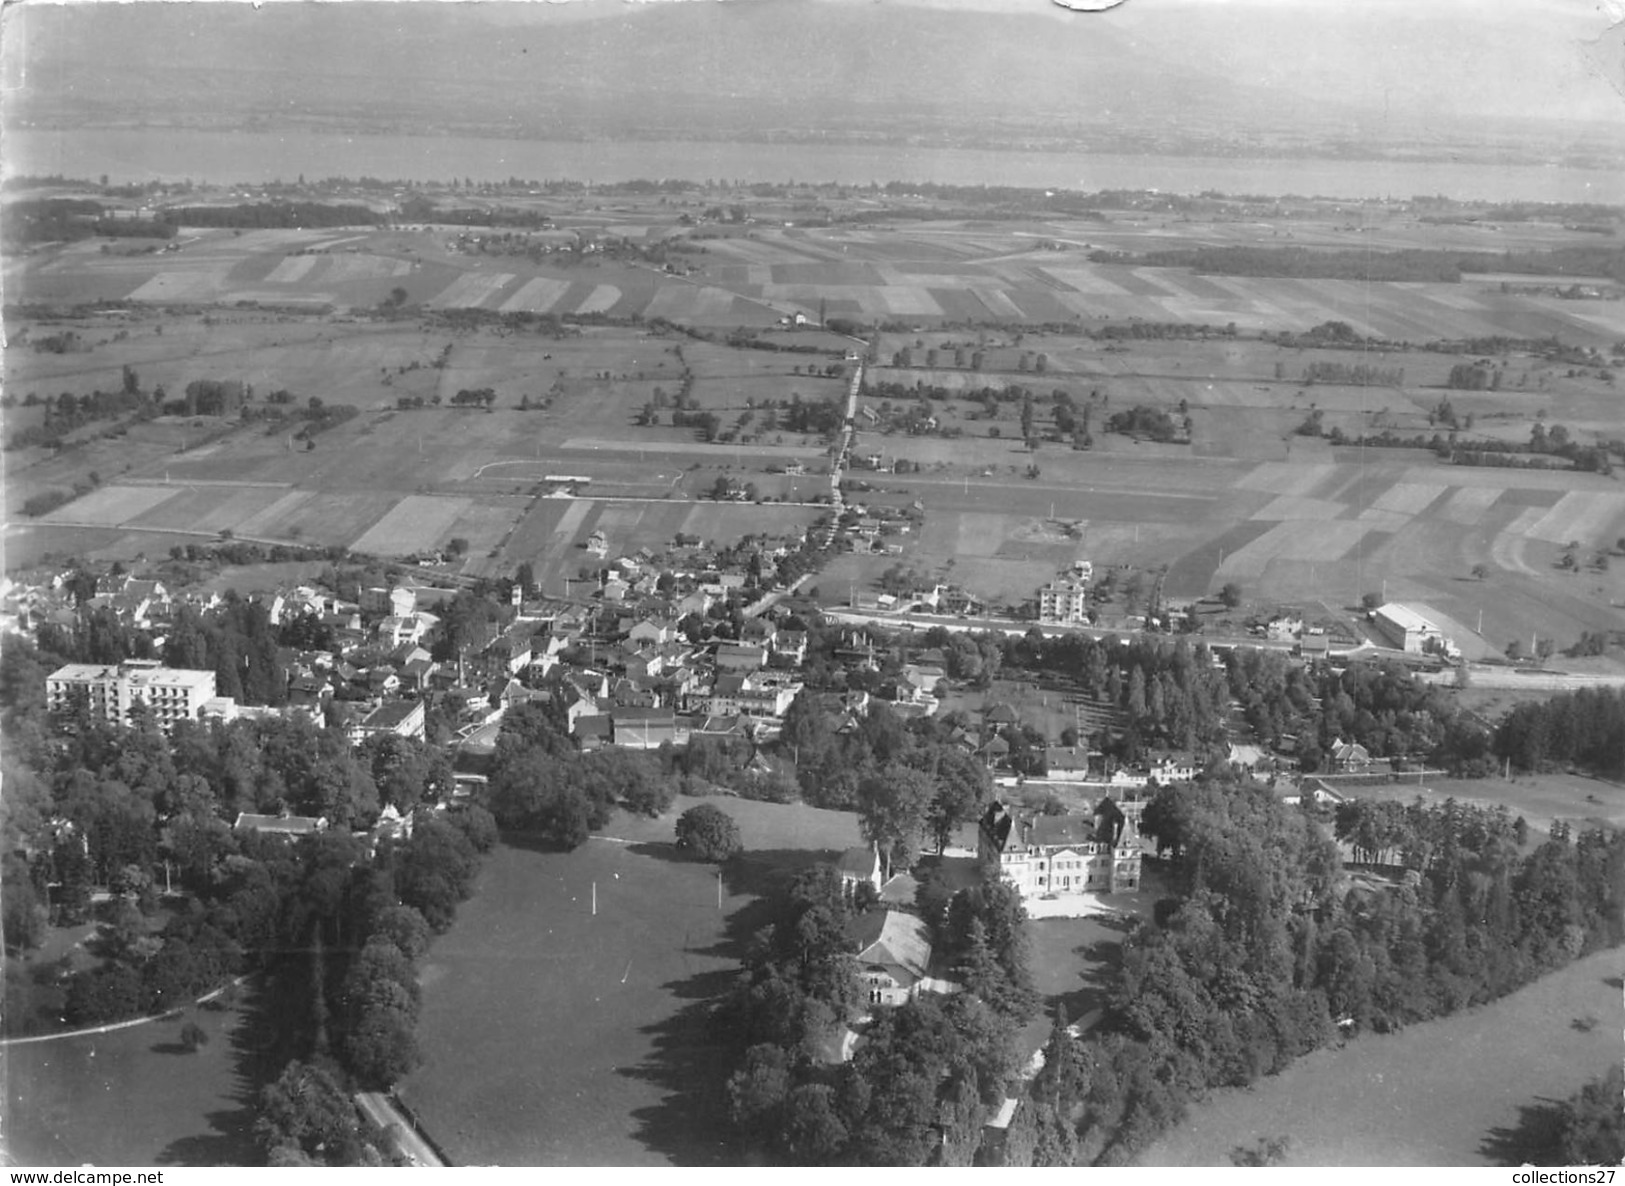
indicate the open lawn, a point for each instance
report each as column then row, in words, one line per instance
column 1457, row 1091
column 135, row 1096
column 554, row 1036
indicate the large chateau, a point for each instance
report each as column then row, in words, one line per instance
column 1054, row 856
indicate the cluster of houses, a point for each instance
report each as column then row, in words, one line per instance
column 143, row 604
column 612, row 648
column 875, row 530
column 628, row 673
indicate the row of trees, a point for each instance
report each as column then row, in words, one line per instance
column 69, row 412
column 268, row 215
column 1356, row 375
column 1415, row 264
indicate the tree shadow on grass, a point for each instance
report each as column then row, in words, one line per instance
column 690, row 1062
column 1100, row 969
column 533, row 842
column 693, row 1054
column 1537, row 1139
column 768, row 871
column 666, row 850
column 256, row 1046
column 171, row 1048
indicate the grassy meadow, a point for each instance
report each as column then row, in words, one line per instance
column 137, row 1097
column 557, row 1036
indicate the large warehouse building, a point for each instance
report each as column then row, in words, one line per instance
column 1404, row 628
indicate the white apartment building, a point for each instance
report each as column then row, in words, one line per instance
column 172, row 693
column 1064, row 601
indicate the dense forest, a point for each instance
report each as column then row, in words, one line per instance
column 59, row 220
column 927, row 1075
column 272, row 215
column 1584, row 728
column 1268, row 950
column 1417, row 264
column 330, row 921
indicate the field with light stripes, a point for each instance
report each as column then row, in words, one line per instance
column 414, row 524
column 112, row 505
column 934, row 272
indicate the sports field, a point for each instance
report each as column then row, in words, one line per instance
column 1442, row 1093
column 556, row 1036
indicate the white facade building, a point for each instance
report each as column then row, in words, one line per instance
column 172, row 693
column 1061, row 856
column 1064, row 601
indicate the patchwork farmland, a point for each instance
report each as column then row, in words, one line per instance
column 1248, row 499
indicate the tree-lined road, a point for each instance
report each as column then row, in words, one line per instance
column 381, row 1110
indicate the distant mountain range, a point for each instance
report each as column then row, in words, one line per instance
column 1148, row 76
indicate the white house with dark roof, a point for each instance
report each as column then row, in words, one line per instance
column 894, row 956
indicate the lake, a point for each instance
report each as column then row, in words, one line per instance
column 251, row 157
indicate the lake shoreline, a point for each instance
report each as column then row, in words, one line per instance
column 250, row 157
